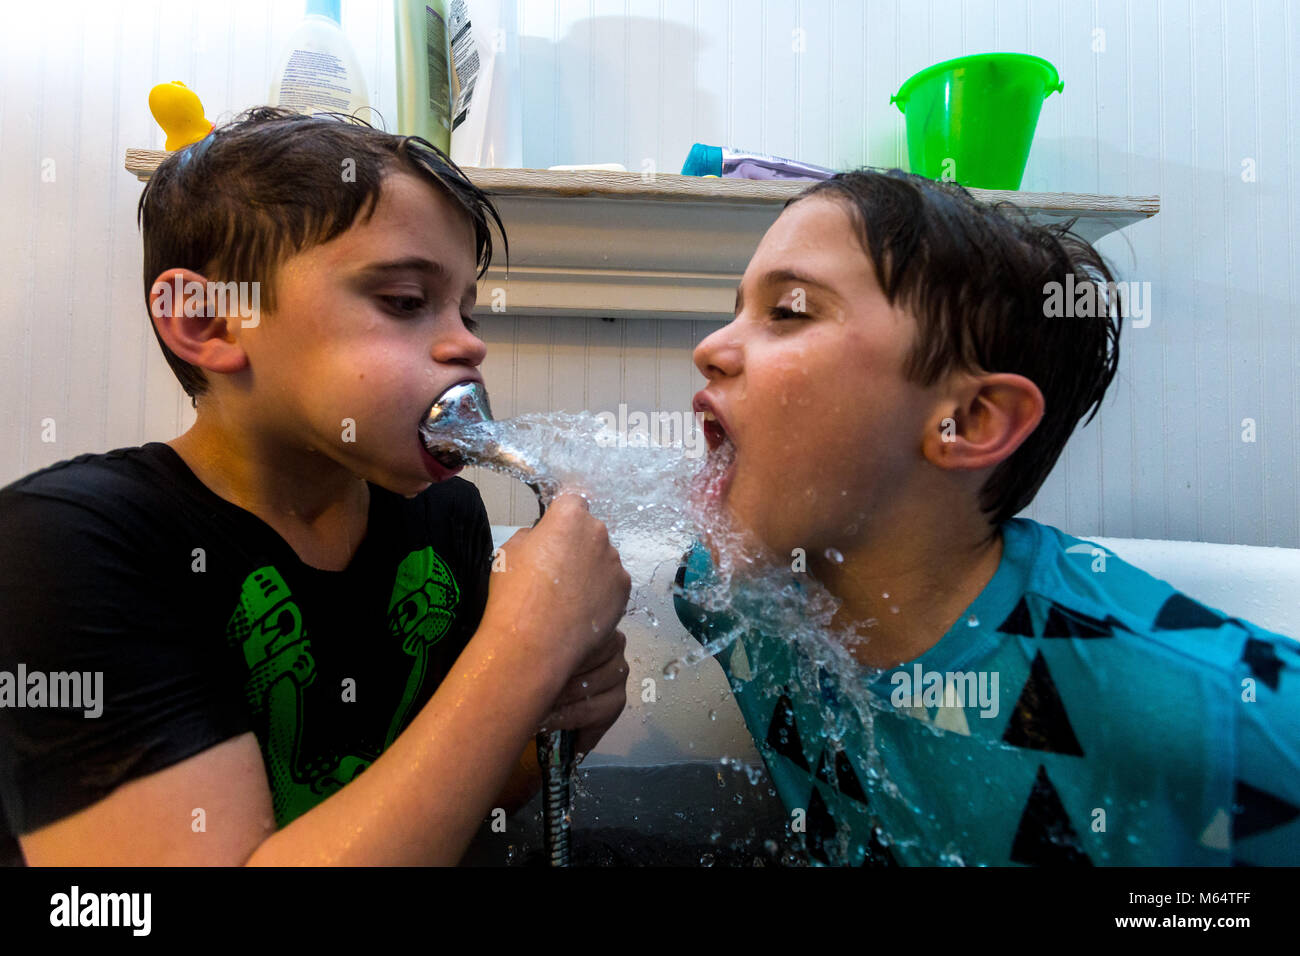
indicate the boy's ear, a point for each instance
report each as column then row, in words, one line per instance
column 190, row 320
column 985, row 419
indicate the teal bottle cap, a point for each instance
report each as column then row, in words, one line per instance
column 703, row 161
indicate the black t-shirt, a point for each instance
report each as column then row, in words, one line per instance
column 204, row 625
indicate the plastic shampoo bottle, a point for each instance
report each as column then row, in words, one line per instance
column 423, row 71
column 319, row 72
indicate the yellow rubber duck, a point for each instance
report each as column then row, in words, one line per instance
column 180, row 114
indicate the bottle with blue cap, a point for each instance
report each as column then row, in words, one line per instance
column 727, row 163
column 319, row 72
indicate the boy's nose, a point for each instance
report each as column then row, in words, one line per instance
column 719, row 354
column 459, row 347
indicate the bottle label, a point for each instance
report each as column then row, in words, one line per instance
column 315, row 80
column 464, row 60
column 435, row 30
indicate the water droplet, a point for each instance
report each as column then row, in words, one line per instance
column 713, row 715
column 893, row 609
column 671, row 669
column 885, row 595
column 834, row 556
column 972, row 621
column 706, row 859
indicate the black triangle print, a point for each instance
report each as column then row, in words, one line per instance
column 1255, row 811
column 1039, row 720
column 783, row 733
column 1064, row 622
column 822, row 773
column 846, row 780
column 1019, row 621
column 1263, row 661
column 821, row 828
column 1045, row 836
column 1181, row 613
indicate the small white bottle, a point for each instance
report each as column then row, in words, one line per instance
column 319, row 72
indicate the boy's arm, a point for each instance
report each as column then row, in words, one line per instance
column 423, row 799
column 420, row 802
column 524, row 783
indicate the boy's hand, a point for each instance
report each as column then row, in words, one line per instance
column 594, row 697
column 561, row 592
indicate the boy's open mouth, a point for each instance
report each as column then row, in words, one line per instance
column 714, row 478
column 714, row 425
column 714, row 433
column 460, row 404
column 440, row 463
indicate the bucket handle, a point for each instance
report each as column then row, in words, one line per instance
column 1058, row 88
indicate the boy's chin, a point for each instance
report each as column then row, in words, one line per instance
column 405, row 485
column 736, row 544
column 416, row 489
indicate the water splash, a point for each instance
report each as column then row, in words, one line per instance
column 656, row 502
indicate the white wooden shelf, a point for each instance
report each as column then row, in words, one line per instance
column 596, row 243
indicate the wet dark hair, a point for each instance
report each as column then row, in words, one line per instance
column 271, row 183
column 975, row 277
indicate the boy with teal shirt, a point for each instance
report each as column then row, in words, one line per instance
column 890, row 394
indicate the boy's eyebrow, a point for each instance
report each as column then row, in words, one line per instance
column 379, row 270
column 777, row 276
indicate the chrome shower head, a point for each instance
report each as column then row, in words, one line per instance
column 465, row 403
column 461, row 407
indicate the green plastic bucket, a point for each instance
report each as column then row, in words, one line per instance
column 972, row 119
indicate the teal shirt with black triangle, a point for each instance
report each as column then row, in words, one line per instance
column 1131, row 726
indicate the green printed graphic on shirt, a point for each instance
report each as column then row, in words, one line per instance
column 420, row 612
column 268, row 627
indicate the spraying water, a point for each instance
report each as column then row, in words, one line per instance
column 656, row 502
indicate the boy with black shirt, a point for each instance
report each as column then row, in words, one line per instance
column 304, row 657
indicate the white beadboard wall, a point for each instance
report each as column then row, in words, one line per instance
column 1182, row 99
